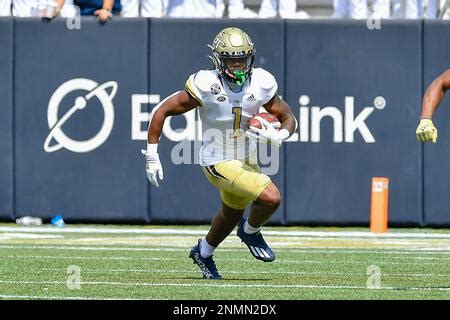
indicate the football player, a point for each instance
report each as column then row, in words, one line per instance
column 227, row 97
column 426, row 131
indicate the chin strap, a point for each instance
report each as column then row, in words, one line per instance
column 240, row 77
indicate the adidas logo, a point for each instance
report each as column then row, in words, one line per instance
column 259, row 252
column 251, row 98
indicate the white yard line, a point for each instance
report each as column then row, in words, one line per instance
column 299, row 261
column 170, row 231
column 94, row 248
column 91, row 258
column 84, row 247
column 12, row 296
column 20, row 235
column 302, row 273
column 224, row 285
column 422, row 258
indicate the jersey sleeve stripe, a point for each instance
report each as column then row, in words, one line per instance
column 189, row 88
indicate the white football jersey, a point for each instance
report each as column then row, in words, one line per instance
column 224, row 113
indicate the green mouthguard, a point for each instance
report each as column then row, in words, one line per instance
column 240, row 75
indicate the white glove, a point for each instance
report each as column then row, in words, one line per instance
column 153, row 165
column 268, row 133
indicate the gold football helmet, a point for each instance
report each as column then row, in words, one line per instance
column 233, row 54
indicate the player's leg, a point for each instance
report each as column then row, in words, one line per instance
column 256, row 188
column 223, row 224
column 264, row 206
column 261, row 211
column 241, row 183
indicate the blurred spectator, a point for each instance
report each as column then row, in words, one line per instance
column 433, row 8
column 68, row 10
column 130, row 8
column 143, row 8
column 354, row 9
column 431, row 11
column 381, row 9
column 152, row 8
column 104, row 9
column 37, row 8
column 5, row 8
column 195, row 8
column 286, row 9
column 408, row 9
column 236, row 9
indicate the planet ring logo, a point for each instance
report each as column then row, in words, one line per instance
column 93, row 90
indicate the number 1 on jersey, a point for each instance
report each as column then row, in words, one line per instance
column 237, row 111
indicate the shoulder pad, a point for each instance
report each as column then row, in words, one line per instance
column 204, row 79
column 265, row 79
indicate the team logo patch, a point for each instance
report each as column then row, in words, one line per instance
column 215, row 88
column 221, row 99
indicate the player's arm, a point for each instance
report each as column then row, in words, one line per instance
column 426, row 130
column 434, row 94
column 176, row 104
column 280, row 109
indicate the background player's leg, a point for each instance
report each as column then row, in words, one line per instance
column 264, row 206
column 223, row 224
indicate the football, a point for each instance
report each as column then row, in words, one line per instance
column 255, row 120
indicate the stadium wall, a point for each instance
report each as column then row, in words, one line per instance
column 6, row 119
column 76, row 104
column 349, row 71
column 436, row 166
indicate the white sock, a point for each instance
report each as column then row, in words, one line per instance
column 249, row 229
column 206, row 250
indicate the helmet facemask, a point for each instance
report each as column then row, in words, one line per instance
column 237, row 69
column 233, row 55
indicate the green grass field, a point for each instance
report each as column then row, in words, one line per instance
column 151, row 262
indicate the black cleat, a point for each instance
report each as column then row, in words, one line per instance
column 207, row 265
column 255, row 243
